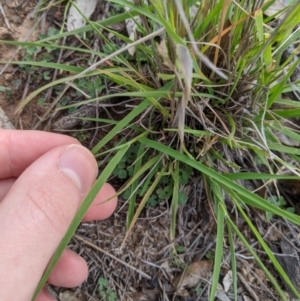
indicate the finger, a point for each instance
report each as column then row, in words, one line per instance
column 36, row 213
column 18, row 149
column 5, row 186
column 101, row 208
column 70, row 271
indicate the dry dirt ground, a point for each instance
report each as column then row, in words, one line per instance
column 142, row 264
column 16, row 24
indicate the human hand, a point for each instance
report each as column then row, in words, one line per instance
column 44, row 177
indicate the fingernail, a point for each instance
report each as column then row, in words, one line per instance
column 76, row 163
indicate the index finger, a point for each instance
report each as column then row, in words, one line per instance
column 19, row 149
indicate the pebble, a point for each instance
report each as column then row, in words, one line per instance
column 16, row 20
column 8, row 77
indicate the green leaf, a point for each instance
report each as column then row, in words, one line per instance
column 180, row 249
column 3, row 89
column 132, row 201
column 121, row 125
column 221, row 208
column 182, row 197
column 122, row 174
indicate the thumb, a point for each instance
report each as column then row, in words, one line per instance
column 36, row 213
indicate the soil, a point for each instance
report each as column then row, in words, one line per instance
column 17, row 25
column 143, row 264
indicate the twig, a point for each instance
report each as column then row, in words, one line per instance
column 26, row 87
column 248, row 288
column 4, row 16
column 34, row 12
column 79, row 237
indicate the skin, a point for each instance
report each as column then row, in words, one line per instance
column 44, row 177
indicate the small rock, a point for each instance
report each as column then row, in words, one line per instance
column 8, row 77
column 193, row 274
column 16, row 20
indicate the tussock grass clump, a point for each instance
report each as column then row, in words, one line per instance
column 209, row 91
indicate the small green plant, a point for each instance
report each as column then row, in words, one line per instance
column 180, row 249
column 198, row 290
column 280, row 202
column 82, row 136
column 121, row 171
column 106, row 293
column 4, row 89
column 41, row 101
column 37, row 54
column 152, row 201
column 15, row 85
column 111, row 47
column 90, row 87
column 8, row 92
column 46, row 75
column 115, row 9
column 182, row 197
column 125, row 168
column 210, row 255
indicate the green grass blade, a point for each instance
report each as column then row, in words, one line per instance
column 248, row 197
column 259, row 262
column 276, row 91
column 55, row 66
column 174, row 202
column 233, row 261
column 132, row 201
column 157, row 18
column 145, row 199
column 151, row 163
column 122, row 124
column 214, row 13
column 220, row 208
column 258, row 176
column 149, row 178
column 63, row 80
column 284, row 149
column 106, row 22
column 286, row 131
column 268, row 252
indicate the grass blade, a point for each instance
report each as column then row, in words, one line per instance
column 220, row 207
column 248, row 197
